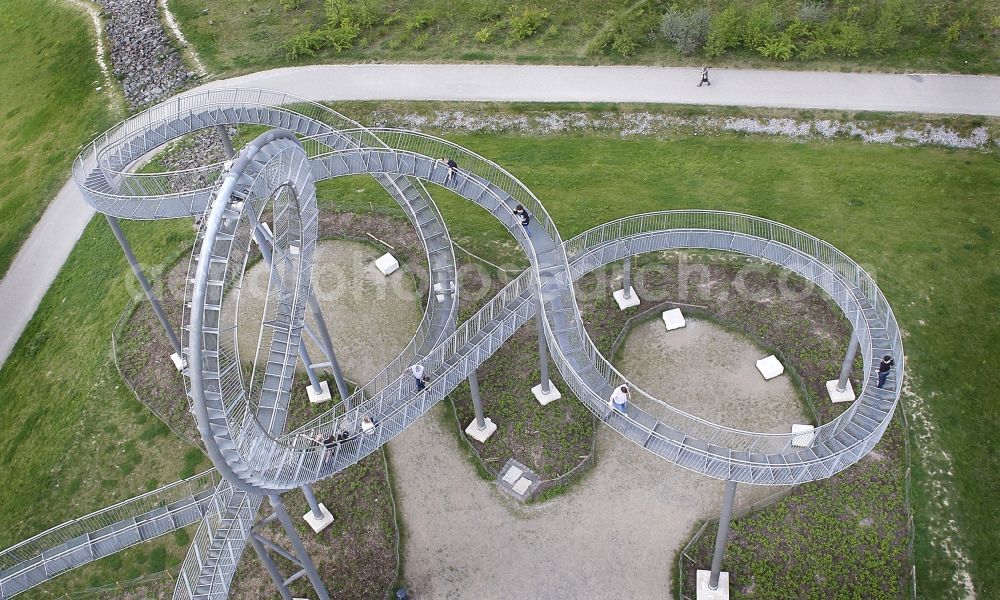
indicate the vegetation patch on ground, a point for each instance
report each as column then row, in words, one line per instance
column 234, row 35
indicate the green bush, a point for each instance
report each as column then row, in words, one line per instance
column 813, row 12
column 523, row 25
column 484, row 35
column 421, row 20
column 725, row 30
column 846, row 38
column 343, row 36
column 289, row 4
column 778, row 46
column 687, row 31
column 306, row 44
column 761, row 23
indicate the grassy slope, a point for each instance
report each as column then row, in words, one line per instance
column 73, row 439
column 236, row 36
column 49, row 108
column 922, row 220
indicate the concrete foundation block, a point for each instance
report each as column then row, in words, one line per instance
column 673, row 319
column 320, row 395
column 770, row 367
column 320, row 524
column 706, row 593
column 544, row 398
column 387, row 264
column 179, row 363
column 481, row 435
column 623, row 302
column 836, row 396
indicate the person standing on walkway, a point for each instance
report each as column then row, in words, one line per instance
column 417, row 371
column 619, row 399
column 452, row 169
column 704, row 76
column 883, row 369
column 522, row 213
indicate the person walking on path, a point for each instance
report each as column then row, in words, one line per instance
column 883, row 369
column 619, row 399
column 704, row 77
column 452, row 169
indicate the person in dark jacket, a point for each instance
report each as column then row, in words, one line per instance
column 883, row 369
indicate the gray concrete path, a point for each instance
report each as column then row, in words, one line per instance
column 953, row 94
column 38, row 262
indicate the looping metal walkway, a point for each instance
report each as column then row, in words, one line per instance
column 241, row 402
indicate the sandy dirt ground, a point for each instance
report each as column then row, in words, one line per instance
column 615, row 534
column 370, row 317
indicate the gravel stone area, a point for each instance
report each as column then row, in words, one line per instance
column 645, row 124
column 142, row 56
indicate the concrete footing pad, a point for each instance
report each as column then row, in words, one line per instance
column 320, row 395
column 544, row 398
column 837, row 396
column 481, row 435
column 319, row 525
column 623, row 302
column 706, row 593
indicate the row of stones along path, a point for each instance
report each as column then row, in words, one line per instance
column 617, row 530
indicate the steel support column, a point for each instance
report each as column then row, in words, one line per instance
column 272, row 569
column 296, row 542
column 327, row 343
column 226, row 142
column 845, row 369
column 307, row 491
column 627, row 277
column 543, row 355
column 144, row 283
column 313, row 380
column 477, row 402
column 723, row 535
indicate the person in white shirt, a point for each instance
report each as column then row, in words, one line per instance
column 367, row 425
column 417, row 371
column 619, row 399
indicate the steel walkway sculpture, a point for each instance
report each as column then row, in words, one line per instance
column 265, row 196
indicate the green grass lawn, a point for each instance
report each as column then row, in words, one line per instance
column 236, row 36
column 49, row 109
column 73, row 438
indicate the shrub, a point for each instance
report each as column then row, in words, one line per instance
column 306, row 44
column 894, row 16
column 343, row 36
column 778, row 46
column 483, row 35
column 724, row 31
column 687, row 31
column 420, row 41
column 289, row 4
column 761, row 23
column 421, row 20
column 847, row 38
column 813, row 12
column 525, row 24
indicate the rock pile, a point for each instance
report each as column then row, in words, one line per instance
column 144, row 59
